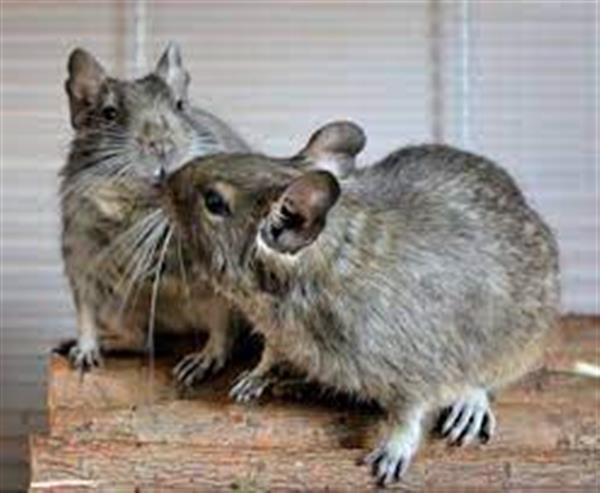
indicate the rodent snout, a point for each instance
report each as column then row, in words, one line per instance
column 159, row 175
column 154, row 138
column 158, row 147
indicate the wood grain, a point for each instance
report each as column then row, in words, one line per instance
column 539, row 422
column 215, row 468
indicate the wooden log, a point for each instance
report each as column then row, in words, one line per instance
column 182, row 467
column 544, row 422
column 125, row 427
column 123, row 382
column 125, row 399
column 578, row 340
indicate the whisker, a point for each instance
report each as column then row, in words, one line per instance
column 155, row 286
column 138, row 231
column 182, row 270
column 153, row 300
column 146, row 242
column 141, row 262
column 113, row 174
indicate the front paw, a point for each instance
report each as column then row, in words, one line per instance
column 249, row 386
column 85, row 354
column 198, row 366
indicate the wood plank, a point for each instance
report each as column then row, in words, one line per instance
column 127, row 422
column 546, row 410
column 539, row 422
column 578, row 340
column 123, row 382
column 127, row 465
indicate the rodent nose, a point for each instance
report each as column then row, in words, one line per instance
column 160, row 174
column 157, row 147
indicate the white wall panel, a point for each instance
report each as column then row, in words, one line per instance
column 532, row 105
column 278, row 70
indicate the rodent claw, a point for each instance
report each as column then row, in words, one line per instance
column 375, row 464
column 85, row 358
column 468, row 419
column 455, row 412
column 473, row 429
column 248, row 386
column 195, row 367
column 488, row 427
column 389, row 462
column 461, row 424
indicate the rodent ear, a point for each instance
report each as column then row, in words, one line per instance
column 299, row 215
column 334, row 147
column 86, row 77
column 170, row 69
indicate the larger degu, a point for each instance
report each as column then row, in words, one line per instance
column 423, row 282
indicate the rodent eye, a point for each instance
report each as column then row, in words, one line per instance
column 215, row 203
column 179, row 105
column 109, row 113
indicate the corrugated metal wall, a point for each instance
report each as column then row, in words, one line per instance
column 517, row 81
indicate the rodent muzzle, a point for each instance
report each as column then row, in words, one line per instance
column 159, row 152
column 160, row 175
column 159, row 148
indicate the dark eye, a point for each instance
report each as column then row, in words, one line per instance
column 179, row 105
column 215, row 203
column 109, row 113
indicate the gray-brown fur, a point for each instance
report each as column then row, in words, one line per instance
column 128, row 134
column 114, row 235
column 429, row 283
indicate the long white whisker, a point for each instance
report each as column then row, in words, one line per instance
column 138, row 231
column 152, row 321
column 141, row 263
column 182, row 269
column 155, row 286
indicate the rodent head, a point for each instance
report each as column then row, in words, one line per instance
column 135, row 128
column 231, row 206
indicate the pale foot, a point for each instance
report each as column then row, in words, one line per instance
column 85, row 354
column 391, row 458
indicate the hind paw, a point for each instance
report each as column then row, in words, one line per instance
column 469, row 418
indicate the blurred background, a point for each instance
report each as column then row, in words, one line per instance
column 514, row 80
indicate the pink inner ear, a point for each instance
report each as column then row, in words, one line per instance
column 301, row 199
column 312, row 195
column 85, row 90
column 86, row 75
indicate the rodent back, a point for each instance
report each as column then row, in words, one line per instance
column 454, row 250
